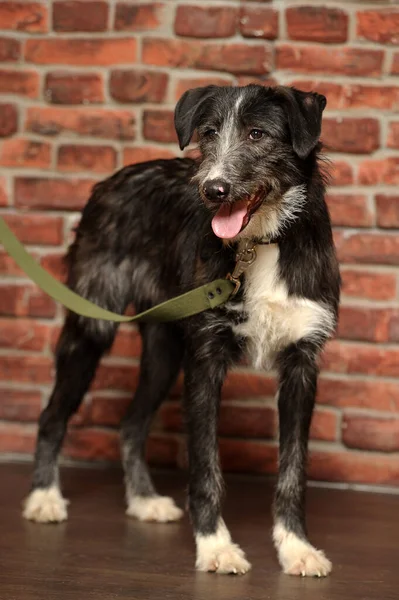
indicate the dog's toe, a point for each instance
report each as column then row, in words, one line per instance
column 228, row 559
column 297, row 556
column 45, row 506
column 158, row 509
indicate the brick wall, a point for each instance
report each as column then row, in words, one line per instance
column 87, row 87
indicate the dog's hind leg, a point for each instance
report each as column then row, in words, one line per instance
column 77, row 356
column 160, row 363
column 298, row 379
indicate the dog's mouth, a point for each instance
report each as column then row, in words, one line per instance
column 233, row 217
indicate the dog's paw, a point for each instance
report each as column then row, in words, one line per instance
column 158, row 509
column 229, row 559
column 298, row 557
column 310, row 563
column 45, row 505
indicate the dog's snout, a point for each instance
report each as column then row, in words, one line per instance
column 216, row 189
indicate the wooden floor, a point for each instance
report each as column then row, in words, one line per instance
column 100, row 554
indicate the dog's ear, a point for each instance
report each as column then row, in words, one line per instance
column 304, row 111
column 188, row 112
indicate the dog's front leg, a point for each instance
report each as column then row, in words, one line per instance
column 298, row 381
column 204, row 374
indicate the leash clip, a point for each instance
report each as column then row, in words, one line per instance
column 244, row 258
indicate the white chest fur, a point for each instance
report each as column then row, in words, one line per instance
column 276, row 319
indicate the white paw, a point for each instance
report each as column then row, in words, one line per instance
column 298, row 557
column 311, row 563
column 159, row 509
column 45, row 505
column 229, row 559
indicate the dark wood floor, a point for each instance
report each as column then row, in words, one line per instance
column 100, row 554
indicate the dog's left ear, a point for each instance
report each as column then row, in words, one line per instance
column 188, row 112
column 304, row 111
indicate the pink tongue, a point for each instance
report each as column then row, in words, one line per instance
column 227, row 222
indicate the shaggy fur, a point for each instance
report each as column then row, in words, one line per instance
column 150, row 232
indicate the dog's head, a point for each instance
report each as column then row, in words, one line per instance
column 255, row 143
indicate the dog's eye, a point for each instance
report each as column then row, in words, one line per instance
column 256, row 134
column 210, row 132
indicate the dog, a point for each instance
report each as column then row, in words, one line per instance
column 160, row 228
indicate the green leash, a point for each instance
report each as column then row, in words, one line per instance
column 208, row 296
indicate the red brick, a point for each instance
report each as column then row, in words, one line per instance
column 349, row 210
column 23, row 334
column 10, row 50
column 108, row 410
column 258, row 22
column 324, row 425
column 80, row 16
column 26, row 369
column 54, row 194
column 363, row 323
column 79, row 157
column 393, row 135
column 24, row 16
column 372, row 248
column 357, row 136
column 90, row 52
column 55, row 264
column 3, row 192
column 374, row 172
column 395, row 64
column 342, row 61
column 25, row 300
column 387, row 211
column 92, row 444
column 143, row 153
column 131, row 85
column 74, row 88
column 158, row 125
column 234, row 58
column 23, row 83
column 139, row 17
column 380, row 25
column 359, row 393
column 127, row 343
column 19, row 405
column 263, row 80
column 101, row 123
column 341, row 173
column 17, row 438
column 239, row 385
column 36, row 229
column 317, row 24
column 368, row 285
column 371, row 96
column 8, row 119
column 352, row 95
column 206, row 22
column 8, row 266
column 183, row 85
column 370, row 433
column 116, row 377
column 235, row 421
column 368, row 359
column 243, row 456
column 394, row 327
column 353, row 467
column 162, row 451
column 25, row 153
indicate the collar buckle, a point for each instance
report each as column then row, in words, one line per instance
column 244, row 258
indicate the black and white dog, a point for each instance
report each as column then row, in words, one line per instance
column 158, row 229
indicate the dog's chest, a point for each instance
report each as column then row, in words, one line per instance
column 276, row 319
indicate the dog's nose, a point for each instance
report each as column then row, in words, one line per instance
column 216, row 189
